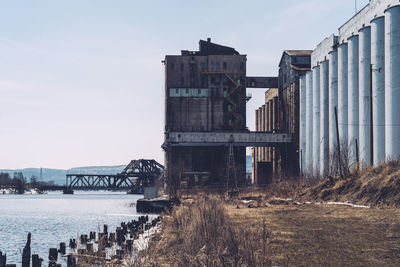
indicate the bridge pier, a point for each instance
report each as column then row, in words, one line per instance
column 68, row 191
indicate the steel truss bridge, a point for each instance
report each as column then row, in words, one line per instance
column 137, row 174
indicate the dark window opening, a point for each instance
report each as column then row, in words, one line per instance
column 224, row 65
column 182, row 66
column 204, row 81
column 171, row 66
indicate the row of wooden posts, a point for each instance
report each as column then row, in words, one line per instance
column 85, row 252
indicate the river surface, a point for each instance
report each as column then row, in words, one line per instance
column 53, row 218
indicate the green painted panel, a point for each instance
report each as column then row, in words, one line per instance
column 188, row 92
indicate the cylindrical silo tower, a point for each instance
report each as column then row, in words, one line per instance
column 353, row 122
column 309, row 121
column 316, row 119
column 378, row 88
column 392, row 82
column 342, row 93
column 365, row 95
column 302, row 136
column 333, row 101
column 324, row 114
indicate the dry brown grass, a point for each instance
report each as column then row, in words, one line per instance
column 379, row 186
column 326, row 235
column 214, row 232
column 202, row 234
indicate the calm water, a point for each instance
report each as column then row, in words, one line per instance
column 53, row 218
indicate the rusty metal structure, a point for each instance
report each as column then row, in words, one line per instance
column 137, row 174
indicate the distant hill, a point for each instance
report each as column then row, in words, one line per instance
column 58, row 175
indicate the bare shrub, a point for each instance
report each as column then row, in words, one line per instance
column 339, row 161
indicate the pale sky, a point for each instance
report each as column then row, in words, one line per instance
column 81, row 81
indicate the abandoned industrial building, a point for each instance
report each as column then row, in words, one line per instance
column 205, row 115
column 280, row 113
column 355, row 75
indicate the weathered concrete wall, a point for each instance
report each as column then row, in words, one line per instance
column 321, row 52
column 374, row 9
column 208, row 111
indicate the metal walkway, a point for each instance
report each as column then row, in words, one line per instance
column 241, row 139
column 137, row 174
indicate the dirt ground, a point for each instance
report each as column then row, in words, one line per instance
column 325, row 235
column 270, row 229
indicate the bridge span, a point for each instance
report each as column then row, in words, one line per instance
column 136, row 175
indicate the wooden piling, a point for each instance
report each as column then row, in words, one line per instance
column 105, row 229
column 72, row 243
column 53, row 255
column 112, row 237
column 89, row 247
column 71, row 261
column 36, row 261
column 92, row 236
column 62, row 249
column 3, row 259
column 26, row 252
column 84, row 239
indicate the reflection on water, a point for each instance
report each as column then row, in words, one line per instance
column 53, row 218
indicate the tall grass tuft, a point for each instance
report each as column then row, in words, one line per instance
column 201, row 234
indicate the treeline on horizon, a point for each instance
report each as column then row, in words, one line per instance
column 18, row 180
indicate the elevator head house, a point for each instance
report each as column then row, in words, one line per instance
column 293, row 65
column 205, row 91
